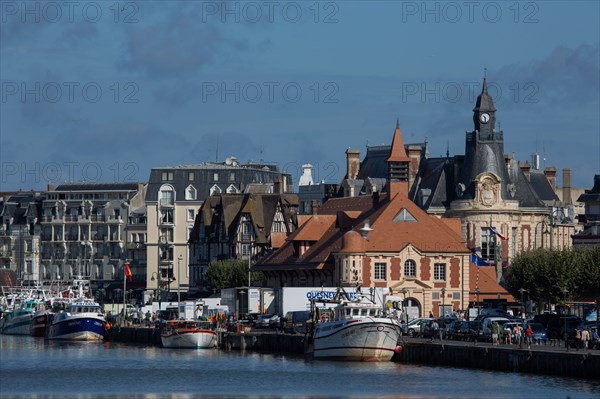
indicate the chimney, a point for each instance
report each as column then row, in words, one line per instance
column 277, row 187
column 51, row 187
column 306, row 178
column 352, row 163
column 375, row 198
column 550, row 174
column 566, row 186
column 526, row 169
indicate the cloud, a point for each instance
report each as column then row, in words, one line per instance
column 177, row 42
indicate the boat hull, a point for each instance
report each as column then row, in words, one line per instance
column 39, row 322
column 360, row 339
column 190, row 339
column 77, row 328
column 18, row 325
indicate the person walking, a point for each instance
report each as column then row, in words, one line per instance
column 518, row 331
column 528, row 335
column 585, row 337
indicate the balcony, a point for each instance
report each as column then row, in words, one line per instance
column 98, row 218
column 167, row 202
column 5, row 254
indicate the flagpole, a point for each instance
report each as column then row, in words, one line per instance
column 124, row 288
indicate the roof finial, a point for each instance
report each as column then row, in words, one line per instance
column 484, row 73
column 448, row 149
column 398, row 123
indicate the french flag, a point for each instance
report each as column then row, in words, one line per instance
column 497, row 233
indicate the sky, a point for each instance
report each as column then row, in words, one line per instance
column 103, row 91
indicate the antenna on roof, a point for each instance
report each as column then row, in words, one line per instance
column 261, row 150
column 217, row 151
column 544, row 149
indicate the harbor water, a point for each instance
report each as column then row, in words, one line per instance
column 35, row 368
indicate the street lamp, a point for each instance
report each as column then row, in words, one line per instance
column 477, row 291
column 522, row 290
column 443, row 302
column 404, row 291
column 157, row 285
column 565, row 292
column 179, row 258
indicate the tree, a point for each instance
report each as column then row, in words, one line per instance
column 545, row 274
column 230, row 273
column 587, row 263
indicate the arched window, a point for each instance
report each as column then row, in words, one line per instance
column 167, row 195
column 410, row 268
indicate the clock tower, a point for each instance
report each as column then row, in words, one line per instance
column 484, row 114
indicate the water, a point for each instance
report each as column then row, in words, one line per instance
column 34, row 368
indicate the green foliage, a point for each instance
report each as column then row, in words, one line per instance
column 545, row 273
column 230, row 273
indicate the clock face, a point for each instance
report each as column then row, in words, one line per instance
column 484, row 118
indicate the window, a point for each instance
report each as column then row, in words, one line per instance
column 232, row 189
column 190, row 176
column 404, row 216
column 514, row 242
column 216, row 176
column 439, row 271
column 167, row 176
column 410, row 268
column 191, row 213
column 190, row 193
column 215, row 190
column 380, row 271
column 488, row 245
column 231, row 176
column 246, row 250
column 167, row 197
column 166, row 216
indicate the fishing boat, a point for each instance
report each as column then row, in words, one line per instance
column 18, row 321
column 41, row 318
column 355, row 330
column 191, row 334
column 82, row 320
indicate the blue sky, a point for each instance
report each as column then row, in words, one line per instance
column 103, row 91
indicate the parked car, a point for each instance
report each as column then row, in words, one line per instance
column 452, row 330
column 539, row 333
column 471, row 331
column 263, row 321
column 296, row 322
column 416, row 326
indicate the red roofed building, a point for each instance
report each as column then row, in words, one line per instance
column 382, row 240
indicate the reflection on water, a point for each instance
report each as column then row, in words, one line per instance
column 35, row 368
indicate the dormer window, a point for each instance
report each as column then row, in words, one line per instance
column 215, row 190
column 190, row 193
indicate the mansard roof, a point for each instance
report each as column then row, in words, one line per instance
column 593, row 194
column 97, row 187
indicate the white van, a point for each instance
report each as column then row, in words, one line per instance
column 486, row 326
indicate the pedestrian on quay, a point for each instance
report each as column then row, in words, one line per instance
column 577, row 342
column 585, row 337
column 435, row 327
column 528, row 335
column 507, row 335
column 147, row 318
column 518, row 331
column 495, row 331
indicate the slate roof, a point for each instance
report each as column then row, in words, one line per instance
column 97, row 187
column 541, row 186
column 484, row 278
column 593, row 194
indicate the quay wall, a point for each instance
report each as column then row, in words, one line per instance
column 578, row 364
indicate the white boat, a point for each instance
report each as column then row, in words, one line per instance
column 188, row 334
column 82, row 320
column 356, row 330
